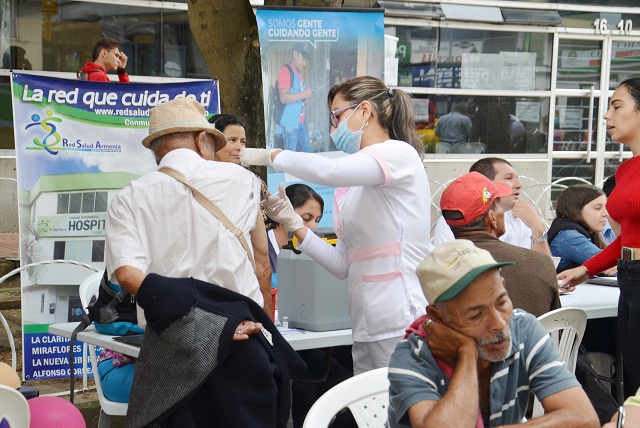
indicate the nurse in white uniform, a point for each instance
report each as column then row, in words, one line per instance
column 381, row 211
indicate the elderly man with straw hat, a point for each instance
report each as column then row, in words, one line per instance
column 155, row 225
column 473, row 360
column 210, row 352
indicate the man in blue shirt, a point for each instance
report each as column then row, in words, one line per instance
column 294, row 94
column 455, row 127
column 472, row 360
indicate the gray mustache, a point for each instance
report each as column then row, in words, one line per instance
column 503, row 335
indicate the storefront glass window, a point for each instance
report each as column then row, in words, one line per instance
column 497, row 125
column 579, row 64
column 473, row 59
column 625, row 61
column 59, row 36
column 571, row 124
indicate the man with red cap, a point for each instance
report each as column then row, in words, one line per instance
column 472, row 207
column 523, row 225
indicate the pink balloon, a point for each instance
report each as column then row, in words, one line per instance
column 54, row 412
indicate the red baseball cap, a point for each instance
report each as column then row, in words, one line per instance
column 472, row 194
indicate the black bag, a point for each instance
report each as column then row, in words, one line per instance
column 81, row 75
column 277, row 107
column 109, row 307
column 112, row 306
column 602, row 401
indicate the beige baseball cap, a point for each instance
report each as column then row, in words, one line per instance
column 451, row 267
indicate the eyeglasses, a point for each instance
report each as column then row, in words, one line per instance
column 333, row 116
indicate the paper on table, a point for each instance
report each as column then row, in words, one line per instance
column 285, row 331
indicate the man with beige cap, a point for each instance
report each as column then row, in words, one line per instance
column 472, row 360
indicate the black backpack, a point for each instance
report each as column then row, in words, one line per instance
column 84, row 76
column 110, row 306
column 277, row 107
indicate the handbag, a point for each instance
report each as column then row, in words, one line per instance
column 213, row 209
column 111, row 306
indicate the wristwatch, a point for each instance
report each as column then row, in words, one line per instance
column 542, row 238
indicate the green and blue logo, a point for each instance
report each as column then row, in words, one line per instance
column 48, row 124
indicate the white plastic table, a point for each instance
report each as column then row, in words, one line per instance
column 300, row 340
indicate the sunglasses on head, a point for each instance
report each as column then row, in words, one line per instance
column 333, row 116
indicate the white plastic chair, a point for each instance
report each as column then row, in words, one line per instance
column 3, row 321
column 12, row 343
column 366, row 395
column 566, row 327
column 89, row 288
column 13, row 408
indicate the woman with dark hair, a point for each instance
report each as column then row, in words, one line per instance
column 491, row 126
column 575, row 234
column 381, row 209
column 308, row 205
column 623, row 124
column 234, row 128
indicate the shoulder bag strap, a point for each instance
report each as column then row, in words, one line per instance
column 213, row 209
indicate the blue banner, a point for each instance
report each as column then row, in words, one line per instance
column 311, row 50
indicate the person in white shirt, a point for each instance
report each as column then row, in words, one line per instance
column 154, row 224
column 523, row 226
column 380, row 208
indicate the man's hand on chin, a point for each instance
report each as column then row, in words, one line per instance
column 446, row 343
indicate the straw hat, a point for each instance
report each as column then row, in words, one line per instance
column 180, row 115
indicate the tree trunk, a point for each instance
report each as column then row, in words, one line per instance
column 227, row 34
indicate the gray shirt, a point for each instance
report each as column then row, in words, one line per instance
column 454, row 128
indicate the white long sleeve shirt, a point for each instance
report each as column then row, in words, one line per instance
column 381, row 215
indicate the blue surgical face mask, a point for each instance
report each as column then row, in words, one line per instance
column 346, row 140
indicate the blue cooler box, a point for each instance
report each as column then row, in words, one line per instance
column 309, row 295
